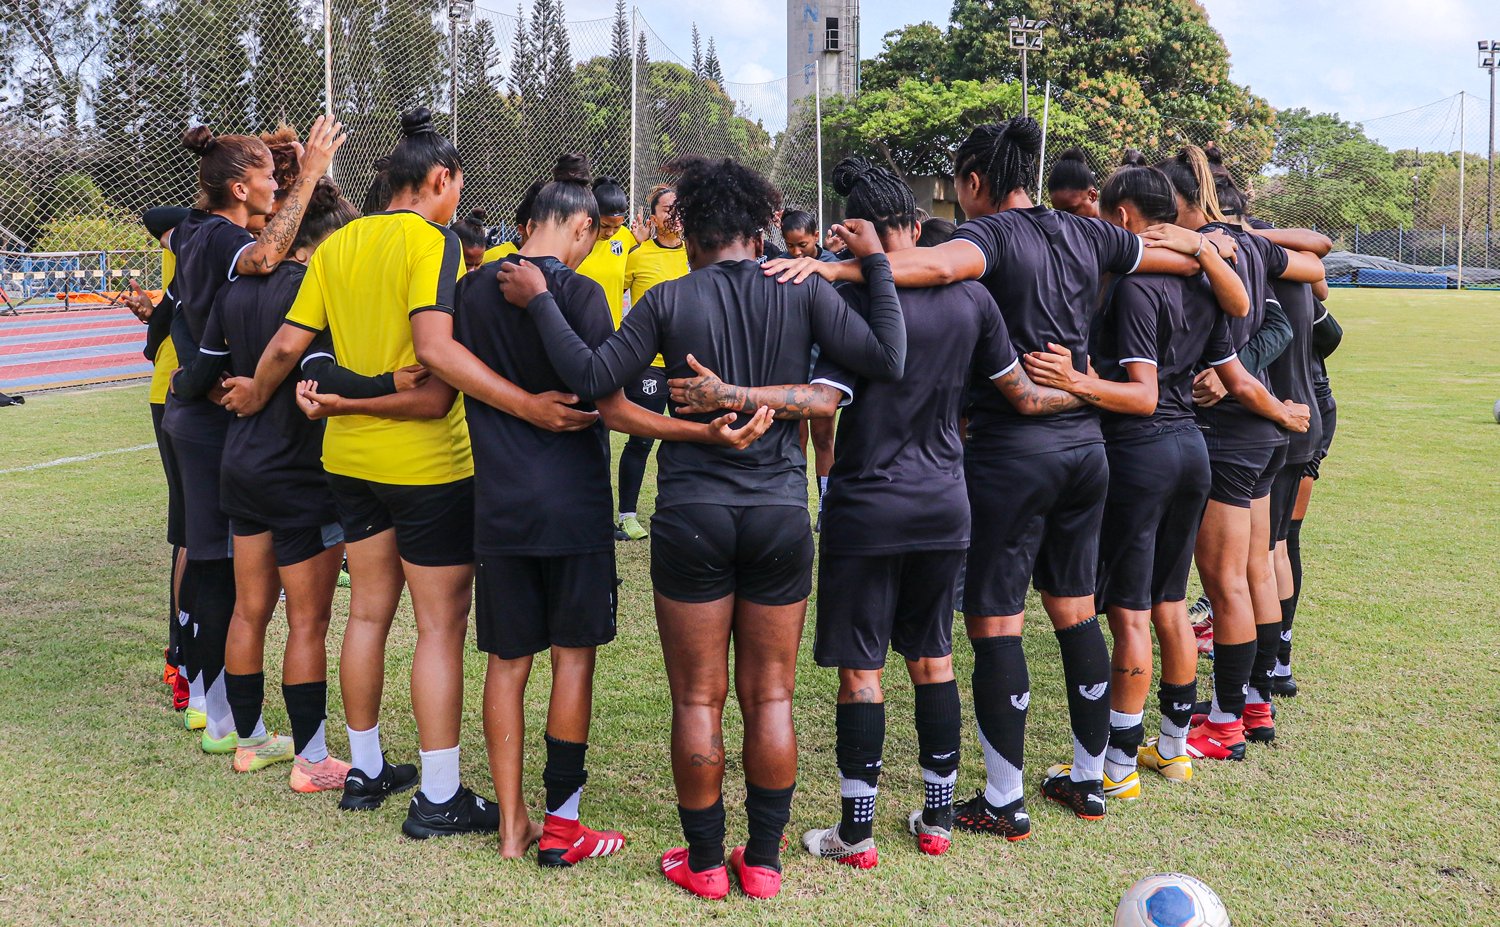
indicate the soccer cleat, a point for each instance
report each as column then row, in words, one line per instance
column 180, row 693
column 1284, row 686
column 194, row 720
column 565, row 841
column 1127, row 789
column 1201, row 612
column 1210, row 741
column 1084, row 799
column 169, row 672
column 1260, row 723
column 826, row 843
column 252, row 754
column 325, row 775
column 344, row 574
column 464, row 813
column 978, row 816
column 630, row 526
column 226, row 744
column 932, row 839
column 364, row 792
column 710, row 883
column 1175, row 768
column 758, row 881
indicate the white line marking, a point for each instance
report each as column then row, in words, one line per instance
column 67, row 460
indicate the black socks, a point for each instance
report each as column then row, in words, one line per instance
column 633, row 471
column 246, row 695
column 1267, row 642
column 1289, row 605
column 1176, row 703
column 1002, row 692
column 704, row 830
column 213, row 606
column 564, row 775
column 307, row 708
column 769, row 810
column 1085, row 660
column 939, row 734
column 860, row 743
column 1232, row 664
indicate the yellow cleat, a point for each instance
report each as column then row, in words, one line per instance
column 1127, row 789
column 1175, row 768
column 226, row 744
column 252, row 754
column 194, row 720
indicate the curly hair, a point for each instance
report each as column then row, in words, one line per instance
column 720, row 202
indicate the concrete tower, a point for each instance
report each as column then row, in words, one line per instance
column 825, row 33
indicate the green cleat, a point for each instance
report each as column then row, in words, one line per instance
column 630, row 526
column 255, row 753
column 194, row 720
column 226, row 744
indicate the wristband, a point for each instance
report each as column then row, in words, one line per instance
column 1201, row 241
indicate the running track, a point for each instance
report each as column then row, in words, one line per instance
column 52, row 349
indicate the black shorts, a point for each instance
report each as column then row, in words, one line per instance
column 1034, row 517
column 1284, row 500
column 524, row 605
column 176, row 528
column 870, row 604
column 1158, row 487
column 206, row 527
column 1244, row 474
column 760, row 553
column 649, row 390
column 292, row 545
column 434, row 523
column 1330, row 412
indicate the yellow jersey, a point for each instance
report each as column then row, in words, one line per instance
column 166, row 352
column 648, row 264
column 605, row 265
column 362, row 285
column 500, row 251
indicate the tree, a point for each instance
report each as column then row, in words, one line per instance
column 697, row 53
column 59, row 37
column 1327, row 173
column 286, row 73
column 619, row 44
column 711, row 69
column 920, row 52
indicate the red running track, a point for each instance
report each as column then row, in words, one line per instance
column 53, row 349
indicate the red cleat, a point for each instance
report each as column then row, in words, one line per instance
column 169, row 671
column 755, row 881
column 179, row 692
column 710, row 883
column 1212, row 741
column 1260, row 723
column 565, row 842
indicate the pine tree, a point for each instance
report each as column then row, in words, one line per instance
column 524, row 69
column 619, row 44
column 711, row 69
column 697, row 53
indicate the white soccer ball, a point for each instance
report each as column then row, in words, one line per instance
column 1170, row 900
column 1497, row 411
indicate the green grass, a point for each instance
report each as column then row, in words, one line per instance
column 1375, row 807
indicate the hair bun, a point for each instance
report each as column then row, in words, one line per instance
column 1133, row 158
column 382, row 165
column 572, row 167
column 849, row 172
column 1074, row 154
column 603, row 180
column 1025, row 134
column 325, row 196
column 416, row 121
column 1214, row 155
column 199, row 140
column 478, row 216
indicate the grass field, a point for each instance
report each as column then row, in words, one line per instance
column 1374, row 808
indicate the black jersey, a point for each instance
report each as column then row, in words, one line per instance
column 207, row 247
column 1292, row 373
column 1043, row 269
column 898, row 474
column 751, row 331
column 536, row 492
column 1228, row 425
column 272, row 472
column 1171, row 323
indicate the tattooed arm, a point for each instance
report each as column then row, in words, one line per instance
column 1030, row 399
column 706, row 394
column 1137, row 396
column 276, row 240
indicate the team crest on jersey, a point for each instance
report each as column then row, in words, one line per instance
column 616, row 248
column 648, row 386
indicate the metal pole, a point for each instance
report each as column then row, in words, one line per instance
column 1025, row 97
column 328, row 58
column 1042, row 158
column 818, row 134
column 1489, row 198
column 634, row 78
column 1462, row 101
column 453, row 70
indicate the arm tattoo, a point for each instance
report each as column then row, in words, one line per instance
column 1030, row 399
column 280, row 232
column 715, row 754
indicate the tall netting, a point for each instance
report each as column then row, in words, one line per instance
column 91, row 117
column 1389, row 189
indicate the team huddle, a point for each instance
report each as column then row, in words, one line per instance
column 1084, row 400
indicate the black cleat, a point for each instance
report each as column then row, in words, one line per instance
column 978, row 816
column 464, row 813
column 1085, row 799
column 364, row 792
column 1284, row 686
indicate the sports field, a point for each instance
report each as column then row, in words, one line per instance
column 1376, row 806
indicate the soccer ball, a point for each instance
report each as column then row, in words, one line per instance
column 1497, row 411
column 1170, row 900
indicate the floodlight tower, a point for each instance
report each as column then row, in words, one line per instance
column 459, row 14
column 1026, row 35
column 1489, row 60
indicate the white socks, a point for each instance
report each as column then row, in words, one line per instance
column 1002, row 781
column 1117, row 763
column 568, row 810
column 364, row 750
column 216, row 705
column 196, row 699
column 439, row 774
column 316, row 750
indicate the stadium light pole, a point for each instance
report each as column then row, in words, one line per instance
column 1489, row 53
column 1025, row 36
column 459, row 12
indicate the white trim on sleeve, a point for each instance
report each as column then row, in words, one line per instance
column 312, row 357
column 213, row 353
column 975, row 245
column 235, row 263
column 1008, row 369
column 1220, row 363
column 846, row 390
column 1137, row 360
column 1140, row 254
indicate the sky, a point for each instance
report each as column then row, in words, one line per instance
column 1359, row 58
